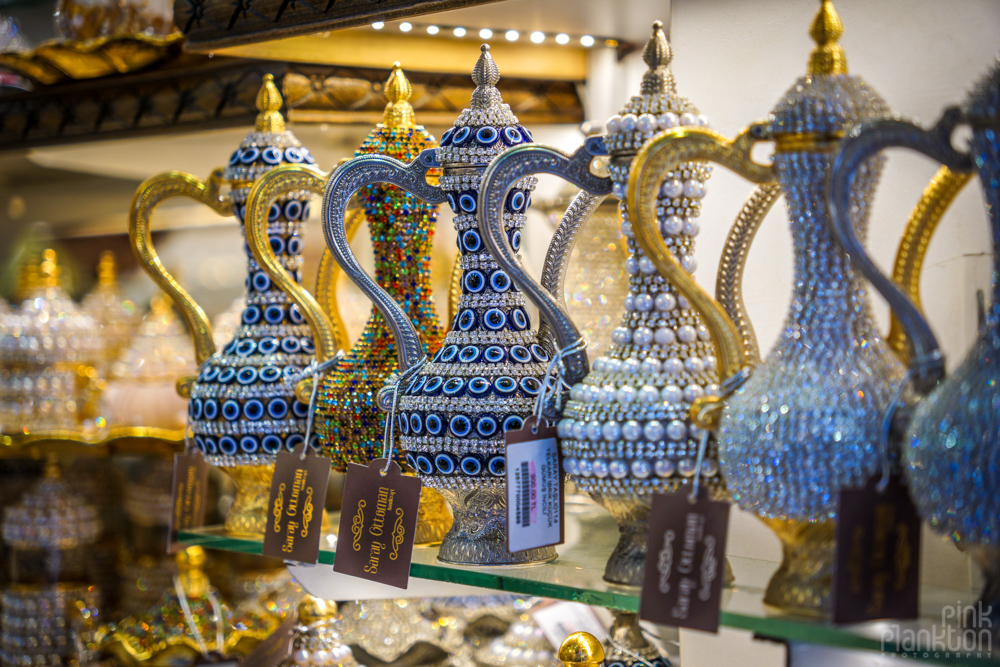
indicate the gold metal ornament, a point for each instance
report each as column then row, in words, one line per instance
column 581, row 649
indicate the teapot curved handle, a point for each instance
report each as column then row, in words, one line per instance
column 861, row 144
column 506, row 170
column 666, row 152
column 350, row 177
column 151, row 193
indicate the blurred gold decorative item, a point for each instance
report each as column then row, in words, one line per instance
column 581, row 649
column 523, row 645
column 86, row 20
column 479, row 619
column 58, row 60
column 115, row 316
column 319, row 640
column 395, row 630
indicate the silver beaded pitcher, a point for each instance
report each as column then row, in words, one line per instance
column 951, row 446
column 807, row 421
column 453, row 411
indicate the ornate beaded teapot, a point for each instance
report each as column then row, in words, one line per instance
column 807, row 422
column 453, row 412
column 950, row 448
column 348, row 421
column 243, row 408
column 116, row 317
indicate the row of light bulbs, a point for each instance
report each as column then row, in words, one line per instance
column 536, row 37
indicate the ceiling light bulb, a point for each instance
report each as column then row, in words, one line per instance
column 537, row 37
column 562, row 38
column 587, row 40
column 485, row 33
column 458, row 32
column 512, row 35
column 432, row 30
column 378, row 25
column 406, row 27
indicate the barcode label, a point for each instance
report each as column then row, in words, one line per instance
column 534, row 488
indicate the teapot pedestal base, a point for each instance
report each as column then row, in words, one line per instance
column 803, row 583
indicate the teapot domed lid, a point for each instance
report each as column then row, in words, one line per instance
column 827, row 100
column 398, row 135
column 983, row 103
column 50, row 515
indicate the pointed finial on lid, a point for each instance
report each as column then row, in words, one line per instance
column 399, row 111
column 49, row 270
column 828, row 57
column 107, row 269
column 485, row 75
column 658, row 55
column 269, row 105
column 27, row 279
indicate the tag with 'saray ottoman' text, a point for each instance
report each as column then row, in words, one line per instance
column 534, row 487
column 378, row 521
column 295, row 506
column 877, row 571
column 685, row 561
column 272, row 651
column 187, row 501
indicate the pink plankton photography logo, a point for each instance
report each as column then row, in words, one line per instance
column 964, row 631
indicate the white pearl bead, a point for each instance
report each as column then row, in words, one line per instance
column 627, row 230
column 653, row 430
column 712, row 390
column 302, row 657
column 664, row 467
column 649, row 395
column 629, row 302
column 649, row 366
column 614, row 365
column 576, row 392
column 686, row 467
column 691, row 227
column 611, row 431
column 710, row 362
column 625, row 395
column 665, row 301
column 618, row 190
column 621, row 335
column 599, row 468
column 646, row 123
column 570, row 466
column 614, row 124
column 585, row 467
column 673, row 366
column 643, row 302
column 672, row 394
column 667, row 120
column 694, row 365
column 686, row 333
column 321, row 658
column 672, row 225
column 342, row 653
column 631, row 430
column 694, row 189
column 565, row 428
column 630, row 366
column 632, row 266
column 594, row 431
column 593, row 394
column 692, row 392
column 641, row 468
column 618, row 469
column 628, row 122
column 676, row 430
column 664, row 336
column 682, row 302
column 579, row 430
column 642, row 336
column 607, row 396
column 689, row 118
column 689, row 263
column 703, row 333
column 709, row 467
column 672, row 188
column 646, row 265
column 599, row 364
column 703, row 120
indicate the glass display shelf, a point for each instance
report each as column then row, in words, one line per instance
column 577, row 575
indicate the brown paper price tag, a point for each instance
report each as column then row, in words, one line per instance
column 188, row 489
column 295, row 506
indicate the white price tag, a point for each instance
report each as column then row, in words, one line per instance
column 561, row 619
column 534, row 488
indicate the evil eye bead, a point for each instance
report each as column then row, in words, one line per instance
column 416, row 424
column 487, row 136
column 273, row 314
column 454, row 207
column 211, row 445
column 467, row 202
column 539, row 353
column 424, row 464
column 461, row 136
column 277, row 408
column 417, row 385
column 293, row 441
column 518, row 319
column 249, row 444
column 494, row 319
column 531, row 385
column 273, row 214
column 447, row 354
column 497, row 466
column 227, row 375
column 499, row 281
column 249, row 155
column 251, row 315
column 211, row 374
column 270, row 374
column 434, row 424
column 307, row 345
column 295, row 247
column 525, row 133
column 270, row 444
column 474, row 282
column 520, row 354
column 447, row 137
column 512, row 423
column 234, row 158
column 460, row 426
column 471, row 465
column 487, row 426
column 511, row 136
column 253, row 409
column 515, row 239
column 471, row 240
column 454, row 387
column 290, row 371
column 247, row 375
column 267, row 345
column 469, row 354
column 494, row 354
column 291, row 345
column 300, row 409
column 261, row 281
column 293, row 209
column 231, row 410
column 404, row 423
column 295, row 315
column 516, row 201
column 479, row 386
column 411, row 461
column 271, row 155
column 246, row 347
column 195, row 408
column 294, row 154
column 466, row 320
column 505, row 385
column 433, row 386
column 228, row 445
column 445, row 464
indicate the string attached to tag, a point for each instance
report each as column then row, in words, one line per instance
column 396, row 380
column 635, row 656
column 553, row 382
column 189, row 617
column 315, row 370
column 883, row 441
